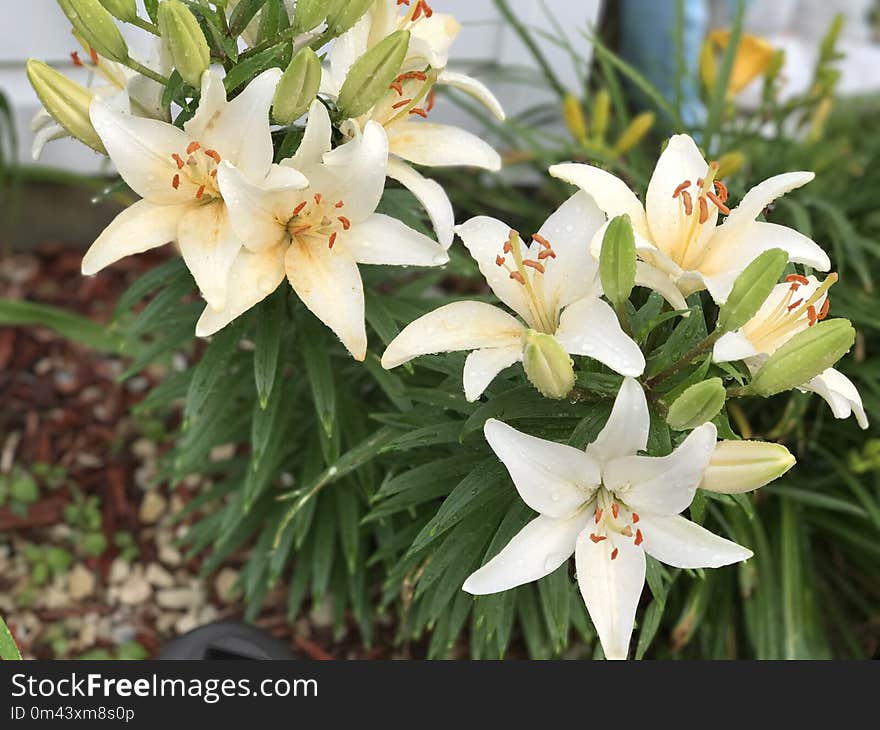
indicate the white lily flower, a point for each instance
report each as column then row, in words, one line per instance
column 608, row 506
column 676, row 231
column 317, row 235
column 175, row 172
column 410, row 99
column 121, row 88
column 792, row 307
column 553, row 285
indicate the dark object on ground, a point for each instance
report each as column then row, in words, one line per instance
column 226, row 640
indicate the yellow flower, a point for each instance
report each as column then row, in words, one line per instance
column 753, row 57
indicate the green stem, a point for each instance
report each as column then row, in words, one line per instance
column 146, row 71
column 694, row 352
column 145, row 25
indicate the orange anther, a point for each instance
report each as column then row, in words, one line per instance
column 431, row 98
column 614, row 553
column 823, row 312
column 74, row 56
column 516, row 276
column 298, row 209
column 541, row 240
column 615, row 510
column 300, row 229
column 397, row 87
column 179, row 160
column 721, row 189
column 499, row 260
column 402, row 102
column 534, row 265
column 795, row 305
column 346, row 224
column 635, row 516
column 798, row 278
column 639, row 538
column 213, row 173
column 681, row 188
column 214, row 155
column 200, row 192
column 93, row 54
column 546, row 253
column 598, row 515
column 812, row 316
column 597, row 538
column 338, row 204
column 418, row 110
column 332, row 239
column 192, row 147
column 704, row 209
column 175, row 182
column 688, row 202
column 719, row 203
column 317, row 198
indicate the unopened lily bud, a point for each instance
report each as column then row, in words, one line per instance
column 697, row 405
column 804, row 356
column 601, row 113
column 310, row 13
column 185, row 41
column 548, row 367
column 96, row 27
column 634, row 133
column 617, row 262
column 574, row 118
column 298, row 87
column 66, row 101
column 729, row 164
column 743, row 466
column 343, row 16
column 123, row 9
column 751, row 289
column 372, row 74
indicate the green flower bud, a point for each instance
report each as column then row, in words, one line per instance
column 548, row 367
column 310, row 13
column 372, row 74
column 804, row 356
column 66, row 101
column 634, row 133
column 123, row 9
column 751, row 289
column 743, row 466
column 617, row 262
column 185, row 41
column 343, row 17
column 96, row 26
column 601, row 113
column 697, row 405
column 298, row 87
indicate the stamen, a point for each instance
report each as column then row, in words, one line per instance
column 721, row 189
column 346, row 224
column 213, row 173
column 192, row 147
column 627, row 531
column 300, row 229
column 541, row 240
column 179, row 160
column 94, row 56
column 432, row 96
column 534, row 265
column 704, row 210
column 547, row 253
column 688, row 202
column 598, row 515
column 516, row 276
column 597, row 538
column 339, row 204
column 332, row 239
column 812, row 316
column 298, row 209
column 635, row 516
column 615, row 510
column 718, row 203
column 317, row 198
column 639, row 538
column 823, row 312
column 397, row 86
column 74, row 56
column 214, row 155
column 200, row 192
column 614, row 553
column 798, row 278
column 795, row 305
column 681, row 188
column 402, row 102
column 418, row 110
column 499, row 260
column 175, row 182
column 412, row 75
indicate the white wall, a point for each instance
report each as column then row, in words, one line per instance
column 38, row 29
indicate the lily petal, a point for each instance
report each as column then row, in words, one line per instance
column 136, row 229
column 431, row 37
column 678, row 542
column 611, row 194
column 141, row 149
column 440, row 145
column 760, row 196
column 484, row 238
column 572, row 274
column 430, row 194
column 553, row 479
column 258, row 215
column 329, row 284
column 653, row 278
column 611, row 588
column 316, row 138
column 840, row 393
column 456, row 326
column 663, row 484
column 626, row 431
column 381, row 239
column 680, row 161
column 535, row 551
column 252, row 277
column 208, row 245
column 481, row 367
column 477, row 89
column 590, row 327
column 238, row 129
column 732, row 346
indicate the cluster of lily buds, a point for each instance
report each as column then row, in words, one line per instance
column 593, row 134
